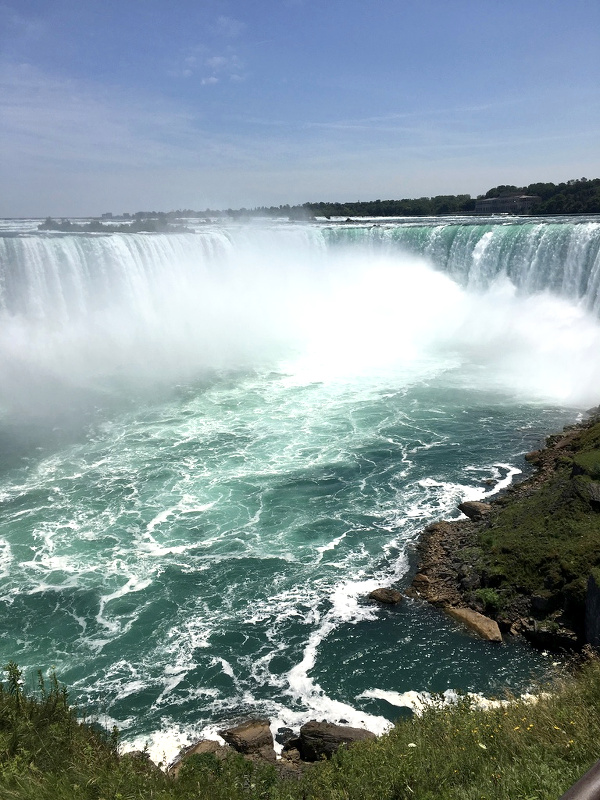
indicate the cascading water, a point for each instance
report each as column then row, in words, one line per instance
column 560, row 256
column 267, row 416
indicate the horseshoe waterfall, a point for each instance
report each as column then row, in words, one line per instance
column 215, row 443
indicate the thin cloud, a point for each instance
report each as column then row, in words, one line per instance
column 229, row 27
column 211, row 69
column 74, row 125
column 365, row 123
column 217, row 62
column 224, row 67
column 44, row 119
column 52, row 125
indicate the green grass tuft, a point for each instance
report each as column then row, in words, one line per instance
column 589, row 463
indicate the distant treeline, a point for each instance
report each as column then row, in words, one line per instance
column 578, row 196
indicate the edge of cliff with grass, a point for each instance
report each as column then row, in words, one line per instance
column 533, row 750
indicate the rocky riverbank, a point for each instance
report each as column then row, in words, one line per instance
column 254, row 741
column 529, row 560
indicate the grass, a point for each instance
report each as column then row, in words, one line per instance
column 520, row 751
column 547, row 541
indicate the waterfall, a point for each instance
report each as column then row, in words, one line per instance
column 61, row 276
column 95, row 312
column 562, row 257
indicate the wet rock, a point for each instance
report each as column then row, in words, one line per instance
column 421, row 582
column 504, row 623
column 484, row 626
column 291, row 754
column 545, row 637
column 533, row 457
column 387, row 596
column 437, row 527
column 474, row 510
column 252, row 738
column 540, row 604
column 292, row 744
column 283, row 735
column 321, row 739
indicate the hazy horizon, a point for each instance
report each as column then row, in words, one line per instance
column 224, row 105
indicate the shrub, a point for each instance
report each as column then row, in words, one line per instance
column 492, row 602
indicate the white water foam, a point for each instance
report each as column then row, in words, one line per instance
column 6, row 558
column 419, row 702
column 345, row 608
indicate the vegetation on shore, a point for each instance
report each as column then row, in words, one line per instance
column 536, row 550
column 531, row 751
column 577, row 196
column 580, row 196
column 527, row 558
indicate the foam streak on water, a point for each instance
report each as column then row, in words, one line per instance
column 216, row 444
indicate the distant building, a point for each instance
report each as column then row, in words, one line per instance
column 107, row 215
column 510, row 204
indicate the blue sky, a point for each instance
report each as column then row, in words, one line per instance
column 150, row 104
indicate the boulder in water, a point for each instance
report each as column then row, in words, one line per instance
column 284, row 735
column 387, row 596
column 474, row 510
column 484, row 626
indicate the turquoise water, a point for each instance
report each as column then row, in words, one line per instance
column 214, row 448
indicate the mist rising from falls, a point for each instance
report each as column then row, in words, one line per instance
column 508, row 306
